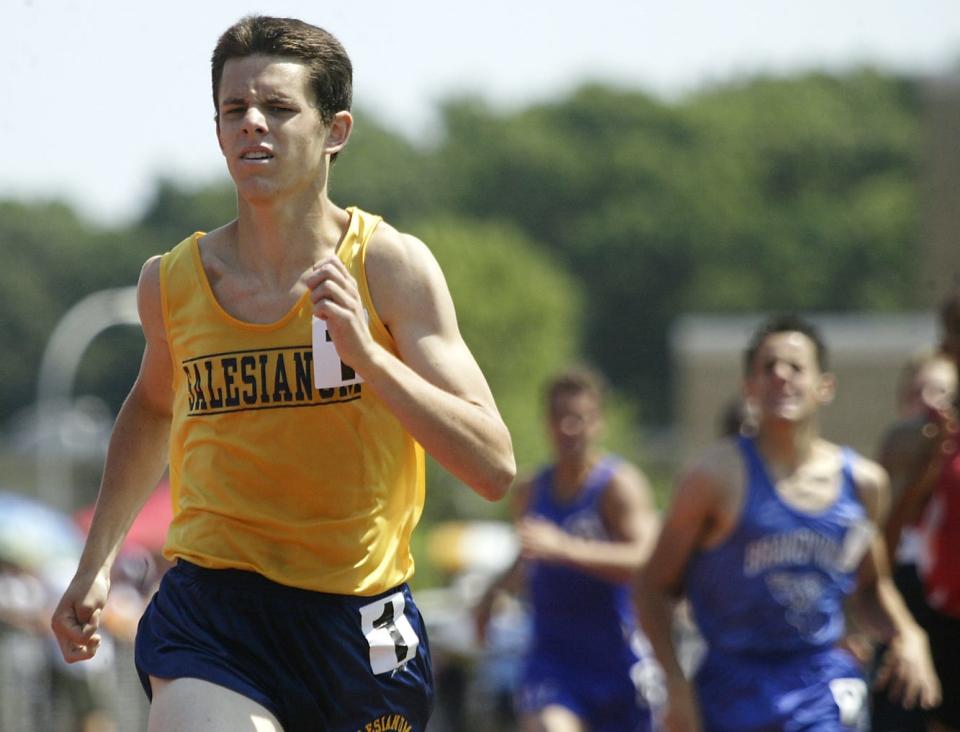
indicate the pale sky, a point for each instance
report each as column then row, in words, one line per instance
column 104, row 96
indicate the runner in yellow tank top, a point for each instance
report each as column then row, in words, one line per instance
column 296, row 360
column 249, row 390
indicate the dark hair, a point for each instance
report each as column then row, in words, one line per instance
column 331, row 73
column 576, row 380
column 790, row 323
column 950, row 310
column 733, row 419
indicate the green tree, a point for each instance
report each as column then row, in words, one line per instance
column 52, row 260
column 384, row 173
column 763, row 194
column 817, row 192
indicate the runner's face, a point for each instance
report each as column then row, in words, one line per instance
column 785, row 382
column 575, row 423
column 934, row 386
column 269, row 130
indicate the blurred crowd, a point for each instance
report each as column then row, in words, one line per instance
column 39, row 692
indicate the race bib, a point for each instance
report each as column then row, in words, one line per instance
column 392, row 640
column 329, row 371
column 851, row 697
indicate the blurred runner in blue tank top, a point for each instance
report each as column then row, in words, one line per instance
column 587, row 523
column 771, row 537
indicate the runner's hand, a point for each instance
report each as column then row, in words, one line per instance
column 336, row 300
column 906, row 672
column 76, row 621
column 541, row 540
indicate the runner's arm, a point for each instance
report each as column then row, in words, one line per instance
column 136, row 457
column 910, row 453
column 629, row 519
column 661, row 584
column 435, row 388
column 906, row 670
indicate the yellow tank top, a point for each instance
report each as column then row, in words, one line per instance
column 318, row 488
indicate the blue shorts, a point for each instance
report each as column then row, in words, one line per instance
column 607, row 701
column 317, row 661
column 823, row 691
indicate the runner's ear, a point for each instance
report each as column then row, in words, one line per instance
column 338, row 132
column 827, row 388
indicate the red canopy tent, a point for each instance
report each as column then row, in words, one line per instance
column 149, row 530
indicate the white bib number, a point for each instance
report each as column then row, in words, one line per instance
column 392, row 640
column 851, row 696
column 329, row 371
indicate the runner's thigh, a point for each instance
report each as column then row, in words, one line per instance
column 194, row 705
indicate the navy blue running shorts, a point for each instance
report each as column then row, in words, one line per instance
column 319, row 662
column 608, row 702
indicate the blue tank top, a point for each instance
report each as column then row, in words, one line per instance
column 583, row 619
column 777, row 584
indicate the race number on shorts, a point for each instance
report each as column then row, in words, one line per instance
column 391, row 638
column 329, row 371
column 851, row 697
